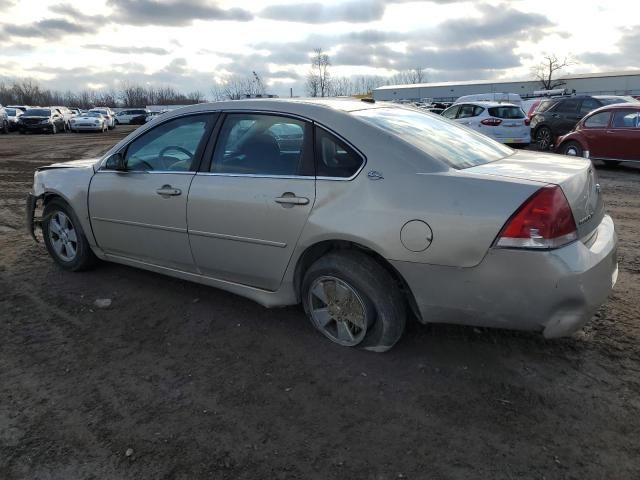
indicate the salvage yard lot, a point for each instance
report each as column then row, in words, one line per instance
column 199, row 383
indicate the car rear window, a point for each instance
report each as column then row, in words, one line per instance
column 506, row 112
column 441, row 139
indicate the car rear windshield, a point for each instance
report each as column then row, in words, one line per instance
column 506, row 112
column 11, row 112
column 439, row 138
column 38, row 112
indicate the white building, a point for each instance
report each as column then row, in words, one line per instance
column 609, row 83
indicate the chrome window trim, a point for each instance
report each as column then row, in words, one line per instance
column 255, row 175
column 151, row 172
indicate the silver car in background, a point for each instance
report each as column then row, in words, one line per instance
column 366, row 213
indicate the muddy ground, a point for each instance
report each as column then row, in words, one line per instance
column 202, row 384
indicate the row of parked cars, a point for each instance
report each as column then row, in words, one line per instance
column 55, row 119
column 602, row 127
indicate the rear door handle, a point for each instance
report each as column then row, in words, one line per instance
column 168, row 191
column 292, row 200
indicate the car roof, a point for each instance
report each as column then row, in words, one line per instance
column 488, row 104
column 619, row 106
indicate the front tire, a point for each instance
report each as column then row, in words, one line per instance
column 573, row 149
column 544, row 138
column 54, row 130
column 5, row 127
column 352, row 300
column 64, row 238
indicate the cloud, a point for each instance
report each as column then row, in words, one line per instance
column 51, row 28
column 628, row 55
column 128, row 50
column 352, row 11
column 172, row 12
column 495, row 22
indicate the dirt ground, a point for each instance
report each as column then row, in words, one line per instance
column 202, row 384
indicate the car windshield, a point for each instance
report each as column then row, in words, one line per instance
column 441, row 139
column 506, row 112
column 103, row 112
column 94, row 114
column 545, row 105
column 38, row 112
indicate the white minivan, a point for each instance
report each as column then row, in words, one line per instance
column 513, row 98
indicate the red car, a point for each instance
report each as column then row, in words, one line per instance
column 610, row 133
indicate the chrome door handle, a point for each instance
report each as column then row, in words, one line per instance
column 292, row 200
column 168, row 191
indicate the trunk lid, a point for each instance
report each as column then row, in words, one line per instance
column 576, row 176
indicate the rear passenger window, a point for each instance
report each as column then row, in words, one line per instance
column 334, row 157
column 254, row 144
column 625, row 119
column 599, row 120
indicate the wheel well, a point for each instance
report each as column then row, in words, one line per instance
column 320, row 249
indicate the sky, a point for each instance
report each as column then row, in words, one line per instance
column 190, row 44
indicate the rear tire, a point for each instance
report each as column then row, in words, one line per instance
column 5, row 127
column 544, row 138
column 64, row 238
column 349, row 289
column 573, row 149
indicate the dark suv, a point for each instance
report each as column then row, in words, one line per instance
column 557, row 116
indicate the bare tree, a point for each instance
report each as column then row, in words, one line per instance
column 409, row 76
column 546, row 70
column 236, row 87
column 319, row 78
column 341, row 87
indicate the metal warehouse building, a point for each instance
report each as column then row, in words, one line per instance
column 609, row 83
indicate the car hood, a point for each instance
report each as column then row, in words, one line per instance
column 576, row 176
column 72, row 164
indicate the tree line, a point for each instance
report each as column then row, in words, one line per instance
column 30, row 92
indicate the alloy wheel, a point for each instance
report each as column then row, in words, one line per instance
column 337, row 310
column 63, row 237
column 543, row 137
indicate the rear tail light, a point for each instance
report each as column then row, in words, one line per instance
column 527, row 121
column 544, row 221
column 491, row 122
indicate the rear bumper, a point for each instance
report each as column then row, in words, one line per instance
column 555, row 292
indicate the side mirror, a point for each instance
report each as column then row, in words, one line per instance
column 116, row 162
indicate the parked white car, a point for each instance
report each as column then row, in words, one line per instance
column 124, row 117
column 504, row 122
column 90, row 121
column 108, row 114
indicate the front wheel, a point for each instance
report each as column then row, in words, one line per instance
column 54, row 130
column 353, row 301
column 5, row 127
column 64, row 238
column 544, row 138
column 573, row 149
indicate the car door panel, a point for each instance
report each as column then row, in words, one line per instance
column 129, row 218
column 239, row 231
column 140, row 213
column 594, row 129
column 247, row 210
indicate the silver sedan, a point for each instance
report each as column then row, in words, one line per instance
column 369, row 214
